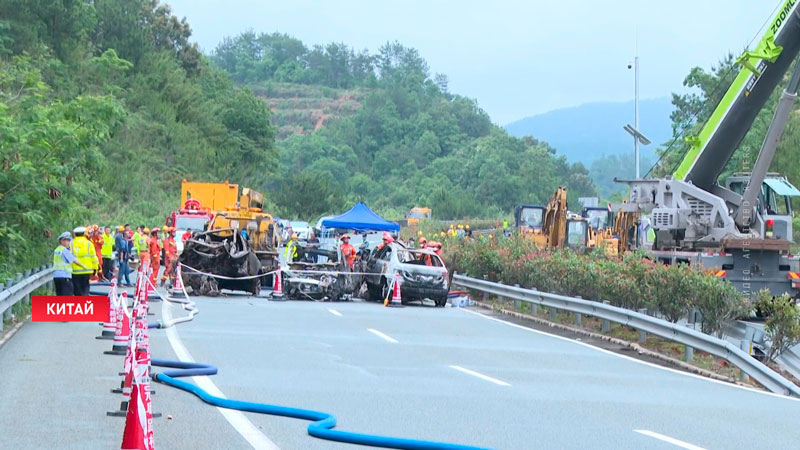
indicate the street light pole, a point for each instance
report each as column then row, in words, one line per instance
column 636, row 112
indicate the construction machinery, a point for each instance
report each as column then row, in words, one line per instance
column 214, row 196
column 247, row 218
column 418, row 213
column 742, row 227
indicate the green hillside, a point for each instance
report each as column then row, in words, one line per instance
column 380, row 128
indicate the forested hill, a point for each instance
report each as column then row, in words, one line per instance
column 104, row 107
column 380, row 127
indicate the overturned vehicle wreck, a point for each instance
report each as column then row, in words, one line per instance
column 318, row 274
column 225, row 258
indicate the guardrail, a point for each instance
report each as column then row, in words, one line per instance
column 19, row 288
column 644, row 323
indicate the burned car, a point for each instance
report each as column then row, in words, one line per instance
column 222, row 253
column 318, row 274
column 422, row 272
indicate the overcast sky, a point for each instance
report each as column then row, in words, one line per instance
column 517, row 58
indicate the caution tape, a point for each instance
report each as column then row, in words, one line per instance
column 223, row 277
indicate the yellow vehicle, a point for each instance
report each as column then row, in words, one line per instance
column 215, row 196
column 418, row 213
column 259, row 229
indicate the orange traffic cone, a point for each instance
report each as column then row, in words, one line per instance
column 138, row 421
column 397, row 299
column 277, row 287
column 177, row 285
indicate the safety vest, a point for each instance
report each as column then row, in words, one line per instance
column 108, row 246
column 84, row 252
column 291, row 251
column 141, row 243
column 58, row 260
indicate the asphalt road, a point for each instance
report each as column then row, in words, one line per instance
column 448, row 375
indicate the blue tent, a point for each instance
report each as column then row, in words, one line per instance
column 360, row 218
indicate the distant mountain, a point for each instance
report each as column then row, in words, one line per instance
column 587, row 132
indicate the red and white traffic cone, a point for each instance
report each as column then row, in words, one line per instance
column 123, row 331
column 277, row 287
column 110, row 325
column 138, row 433
column 177, row 285
column 397, row 298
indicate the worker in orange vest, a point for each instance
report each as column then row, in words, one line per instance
column 154, row 247
column 348, row 251
column 170, row 254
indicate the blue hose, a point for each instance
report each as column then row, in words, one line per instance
column 322, row 423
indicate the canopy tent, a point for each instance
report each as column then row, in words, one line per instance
column 360, row 218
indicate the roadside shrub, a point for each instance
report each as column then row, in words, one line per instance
column 630, row 282
column 783, row 323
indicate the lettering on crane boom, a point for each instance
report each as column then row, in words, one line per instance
column 782, row 16
column 762, row 66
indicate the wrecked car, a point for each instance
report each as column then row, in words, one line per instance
column 422, row 272
column 223, row 253
column 318, row 274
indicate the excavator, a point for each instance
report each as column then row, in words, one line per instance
column 554, row 226
column 741, row 228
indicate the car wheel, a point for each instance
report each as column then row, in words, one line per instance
column 374, row 292
column 441, row 301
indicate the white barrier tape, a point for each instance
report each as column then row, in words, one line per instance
column 223, row 277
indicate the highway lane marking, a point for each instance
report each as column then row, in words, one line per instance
column 672, row 441
column 239, row 421
column 334, row 312
column 639, row 361
column 382, row 336
column 480, row 375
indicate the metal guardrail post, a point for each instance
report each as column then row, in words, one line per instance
column 553, row 313
column 745, row 346
column 605, row 327
column 578, row 317
column 534, row 306
column 485, row 294
column 642, row 333
column 517, row 303
column 688, row 351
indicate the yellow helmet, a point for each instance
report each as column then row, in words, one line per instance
column 466, row 226
column 443, row 234
column 120, row 228
column 294, row 235
column 460, row 227
column 146, row 230
column 419, row 233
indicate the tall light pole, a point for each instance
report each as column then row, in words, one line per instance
column 636, row 111
column 638, row 137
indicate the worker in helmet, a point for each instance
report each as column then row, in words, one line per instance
column 86, row 262
column 290, row 252
column 123, row 255
column 143, row 247
column 437, row 247
column 107, row 252
column 170, row 255
column 95, row 236
column 154, row 247
column 387, row 239
column 348, row 251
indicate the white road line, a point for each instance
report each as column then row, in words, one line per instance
column 481, row 376
column 334, row 312
column 639, row 361
column 239, row 421
column 672, row 441
column 382, row 336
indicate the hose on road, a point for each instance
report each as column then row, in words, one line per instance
column 322, row 423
